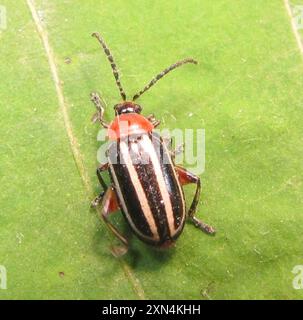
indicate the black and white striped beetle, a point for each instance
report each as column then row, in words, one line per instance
column 149, row 193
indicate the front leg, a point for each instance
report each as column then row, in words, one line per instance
column 151, row 118
column 99, row 104
column 186, row 177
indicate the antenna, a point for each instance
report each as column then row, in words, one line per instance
column 162, row 74
column 112, row 63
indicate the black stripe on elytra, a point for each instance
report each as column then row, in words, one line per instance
column 148, row 179
column 171, row 183
column 128, row 191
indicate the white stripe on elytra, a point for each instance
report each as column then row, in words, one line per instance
column 140, row 194
column 120, row 195
column 150, row 150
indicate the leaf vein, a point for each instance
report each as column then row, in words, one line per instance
column 78, row 158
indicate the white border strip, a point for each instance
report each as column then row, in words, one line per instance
column 293, row 25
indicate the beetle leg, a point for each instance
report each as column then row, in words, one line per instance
column 100, row 170
column 177, row 151
column 100, row 106
column 153, row 120
column 99, row 198
column 173, row 153
column 186, row 177
column 109, row 205
column 168, row 141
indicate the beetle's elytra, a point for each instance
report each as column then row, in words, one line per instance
column 148, row 191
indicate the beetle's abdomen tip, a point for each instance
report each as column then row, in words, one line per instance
column 167, row 244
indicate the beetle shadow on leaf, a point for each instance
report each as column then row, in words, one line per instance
column 141, row 256
column 138, row 256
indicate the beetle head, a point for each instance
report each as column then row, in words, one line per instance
column 127, row 107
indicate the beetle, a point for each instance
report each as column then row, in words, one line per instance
column 149, row 193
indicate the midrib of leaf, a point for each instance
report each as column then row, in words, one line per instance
column 78, row 158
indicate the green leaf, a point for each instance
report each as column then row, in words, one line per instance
column 245, row 92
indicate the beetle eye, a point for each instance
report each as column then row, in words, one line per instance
column 138, row 108
column 127, row 108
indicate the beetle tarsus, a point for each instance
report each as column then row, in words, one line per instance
column 203, row 226
column 100, row 106
column 152, row 119
column 95, row 203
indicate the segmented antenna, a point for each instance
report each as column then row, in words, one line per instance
column 112, row 63
column 162, row 74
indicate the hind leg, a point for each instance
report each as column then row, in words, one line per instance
column 109, row 205
column 186, row 177
column 108, row 202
